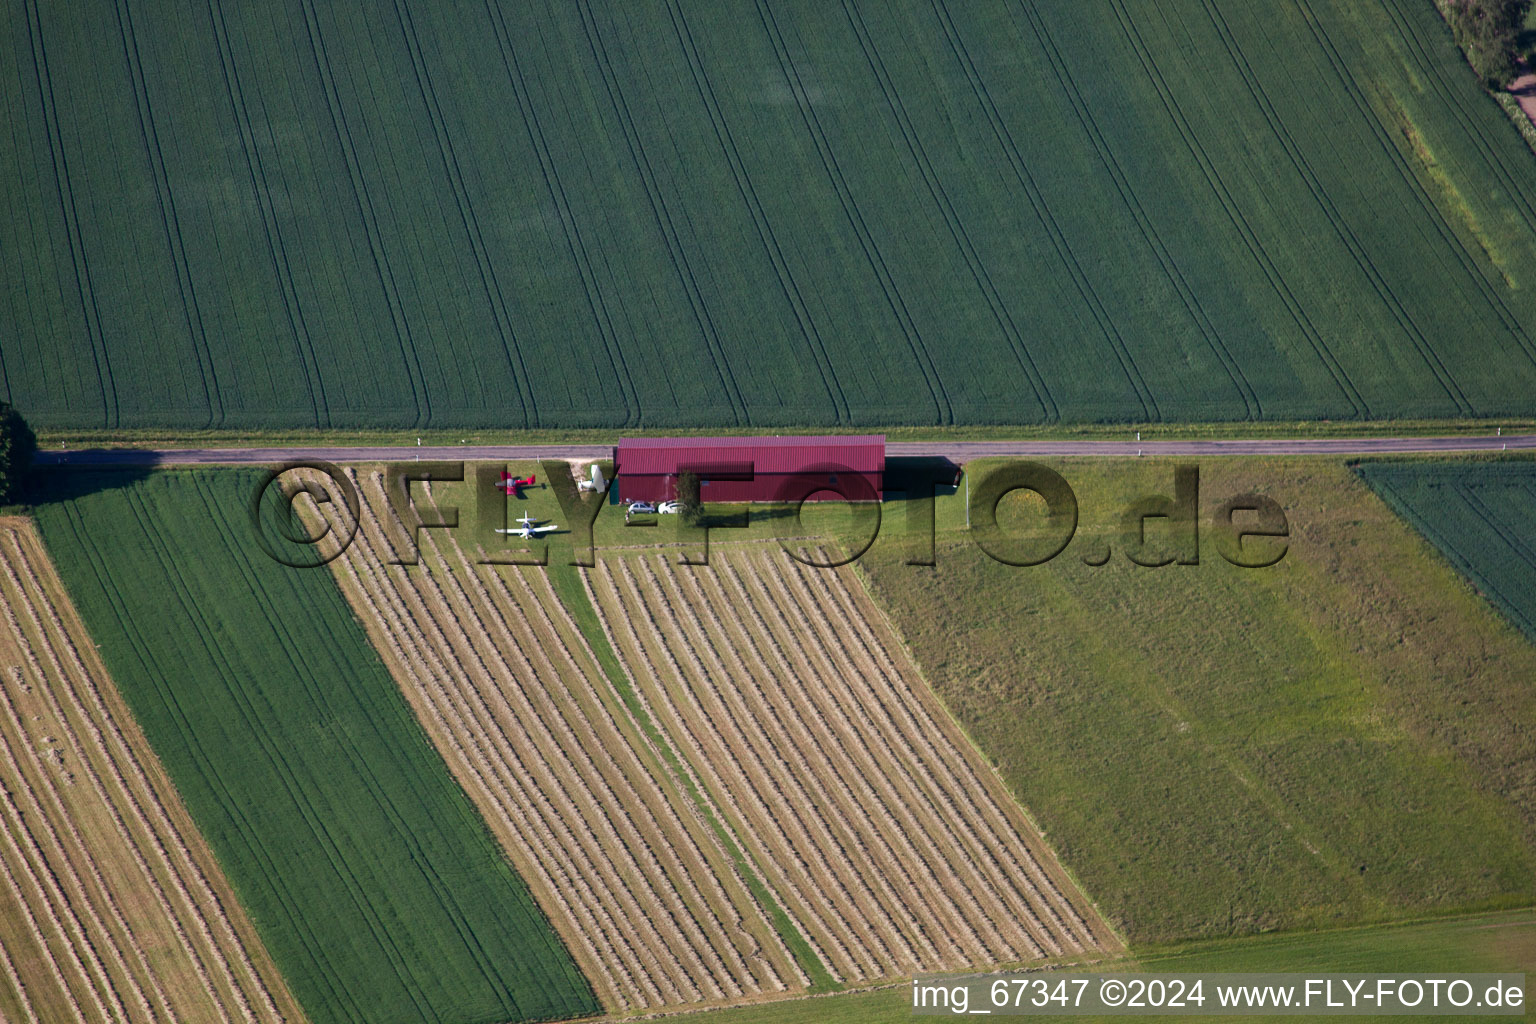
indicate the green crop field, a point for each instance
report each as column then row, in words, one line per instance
column 1214, row 751
column 1481, row 515
column 589, row 214
column 1492, row 942
column 376, row 887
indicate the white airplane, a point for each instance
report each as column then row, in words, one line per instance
column 596, row 483
column 527, row 528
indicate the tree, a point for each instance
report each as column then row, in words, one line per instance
column 688, row 493
column 1489, row 32
column 17, row 446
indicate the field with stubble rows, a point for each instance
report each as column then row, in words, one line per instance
column 114, row 909
column 375, row 885
column 510, row 693
column 894, row 847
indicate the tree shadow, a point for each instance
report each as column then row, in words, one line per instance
column 52, row 482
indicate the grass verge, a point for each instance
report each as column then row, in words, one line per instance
column 1501, row 942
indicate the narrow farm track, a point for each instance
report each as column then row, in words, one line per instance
column 632, row 880
column 896, row 849
column 116, row 912
column 959, row 451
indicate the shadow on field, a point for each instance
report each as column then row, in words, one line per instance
column 914, row 478
column 57, row 482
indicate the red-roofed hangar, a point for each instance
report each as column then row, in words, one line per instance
column 753, row 468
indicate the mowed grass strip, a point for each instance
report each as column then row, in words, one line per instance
column 1216, row 751
column 376, row 887
column 1480, row 515
column 1503, row 942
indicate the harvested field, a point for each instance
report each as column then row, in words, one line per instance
column 609, row 844
column 112, row 908
column 377, row 888
column 890, row 842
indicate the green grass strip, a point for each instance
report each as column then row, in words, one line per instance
column 568, row 586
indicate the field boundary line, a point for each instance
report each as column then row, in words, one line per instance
column 1512, row 190
column 781, row 745
column 700, row 737
column 960, row 902
column 120, row 826
column 1098, row 926
column 440, row 889
column 710, row 798
column 95, row 898
column 1342, row 229
column 170, row 222
column 85, row 289
column 88, row 542
column 635, row 705
column 277, row 250
column 1022, row 879
column 410, row 355
column 1047, row 219
column 205, row 635
column 1233, row 210
column 417, row 658
column 495, row 296
column 147, row 820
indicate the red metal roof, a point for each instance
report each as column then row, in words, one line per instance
column 641, row 456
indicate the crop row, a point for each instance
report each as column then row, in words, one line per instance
column 631, row 881
column 1481, row 518
column 102, row 873
column 378, row 892
column 1293, row 214
column 894, row 849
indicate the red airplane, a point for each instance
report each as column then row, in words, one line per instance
column 514, row 485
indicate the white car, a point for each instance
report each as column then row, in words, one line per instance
column 671, row 508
